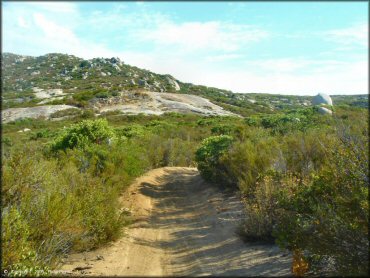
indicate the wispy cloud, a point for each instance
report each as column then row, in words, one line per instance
column 52, row 30
column 213, row 35
column 42, row 27
column 351, row 78
column 356, row 35
column 22, row 22
column 55, row 7
column 223, row 57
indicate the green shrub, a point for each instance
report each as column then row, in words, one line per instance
column 223, row 129
column 169, row 152
column 208, row 154
column 83, row 96
column 83, row 134
column 102, row 95
column 66, row 112
column 14, row 238
column 262, row 211
column 52, row 207
column 87, row 114
column 43, row 133
column 131, row 131
column 327, row 216
column 248, row 161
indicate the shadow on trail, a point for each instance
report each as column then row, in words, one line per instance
column 203, row 220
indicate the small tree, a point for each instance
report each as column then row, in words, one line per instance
column 209, row 153
column 83, row 134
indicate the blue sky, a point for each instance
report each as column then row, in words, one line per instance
column 263, row 47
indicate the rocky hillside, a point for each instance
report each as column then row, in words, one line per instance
column 22, row 74
column 60, row 79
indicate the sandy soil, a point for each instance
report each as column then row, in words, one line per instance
column 183, row 227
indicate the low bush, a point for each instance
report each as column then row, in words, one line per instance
column 66, row 112
column 208, row 156
column 83, row 134
column 327, row 216
column 306, row 188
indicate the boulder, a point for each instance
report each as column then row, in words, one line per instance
column 320, row 99
column 325, row 111
column 24, row 130
column 173, row 83
column 142, row 82
column 114, row 60
column 117, row 68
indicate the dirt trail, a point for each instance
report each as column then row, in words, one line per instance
column 183, row 227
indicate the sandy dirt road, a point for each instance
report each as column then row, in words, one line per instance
column 183, row 227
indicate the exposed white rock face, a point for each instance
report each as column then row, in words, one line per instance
column 13, row 114
column 325, row 111
column 159, row 103
column 116, row 67
column 322, row 99
column 41, row 93
column 35, row 72
column 177, row 86
column 173, row 83
column 24, row 130
column 20, row 60
column 103, row 74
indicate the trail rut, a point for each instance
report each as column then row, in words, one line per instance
column 183, row 227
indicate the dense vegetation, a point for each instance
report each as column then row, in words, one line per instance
column 61, row 180
column 303, row 177
column 305, row 184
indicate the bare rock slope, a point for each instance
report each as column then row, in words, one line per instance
column 159, row 103
column 44, row 111
column 144, row 102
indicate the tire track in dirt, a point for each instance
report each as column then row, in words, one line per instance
column 184, row 227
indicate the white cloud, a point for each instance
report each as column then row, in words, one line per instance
column 280, row 65
column 223, row 57
column 352, row 79
column 52, row 30
column 54, row 7
column 354, row 35
column 329, row 76
column 298, row 65
column 22, row 22
column 213, row 35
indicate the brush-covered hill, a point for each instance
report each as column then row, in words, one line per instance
column 60, row 79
